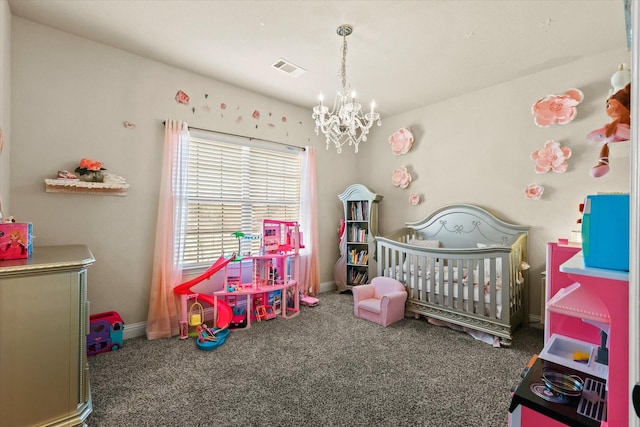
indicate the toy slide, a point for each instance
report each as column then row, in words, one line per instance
column 185, row 288
column 224, row 311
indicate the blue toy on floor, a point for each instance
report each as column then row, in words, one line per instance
column 209, row 339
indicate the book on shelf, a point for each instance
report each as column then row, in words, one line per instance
column 358, row 257
column 358, row 277
column 357, row 234
column 359, row 210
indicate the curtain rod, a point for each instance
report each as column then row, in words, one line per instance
column 250, row 138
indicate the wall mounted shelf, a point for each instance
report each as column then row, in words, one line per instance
column 82, row 187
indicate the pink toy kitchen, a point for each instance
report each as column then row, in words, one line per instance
column 581, row 376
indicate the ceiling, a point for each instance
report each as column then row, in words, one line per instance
column 403, row 54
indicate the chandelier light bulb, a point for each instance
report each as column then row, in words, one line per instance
column 346, row 123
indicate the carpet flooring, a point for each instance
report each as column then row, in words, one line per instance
column 322, row 368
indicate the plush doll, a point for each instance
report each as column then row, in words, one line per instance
column 618, row 108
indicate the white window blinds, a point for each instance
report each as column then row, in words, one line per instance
column 232, row 187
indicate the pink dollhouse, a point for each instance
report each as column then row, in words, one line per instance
column 273, row 289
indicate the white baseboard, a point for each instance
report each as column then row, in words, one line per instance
column 536, row 321
column 327, row 287
column 135, row 330
column 139, row 329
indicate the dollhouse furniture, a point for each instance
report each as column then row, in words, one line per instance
column 586, row 308
column 44, row 309
column 358, row 246
column 254, row 298
column 461, row 265
column 381, row 302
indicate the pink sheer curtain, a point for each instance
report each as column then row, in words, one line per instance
column 309, row 259
column 163, row 316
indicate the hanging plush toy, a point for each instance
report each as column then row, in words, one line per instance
column 618, row 108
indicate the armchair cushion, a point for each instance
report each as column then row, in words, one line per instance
column 381, row 302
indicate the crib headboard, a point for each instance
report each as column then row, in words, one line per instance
column 464, row 226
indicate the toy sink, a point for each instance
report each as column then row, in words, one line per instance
column 561, row 350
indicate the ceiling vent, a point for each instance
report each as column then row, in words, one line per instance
column 288, row 68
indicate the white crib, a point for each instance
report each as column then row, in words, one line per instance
column 463, row 266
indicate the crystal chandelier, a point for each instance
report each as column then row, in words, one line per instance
column 346, row 123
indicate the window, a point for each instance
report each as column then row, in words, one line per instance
column 233, row 184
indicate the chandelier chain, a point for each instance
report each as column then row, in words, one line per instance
column 343, row 70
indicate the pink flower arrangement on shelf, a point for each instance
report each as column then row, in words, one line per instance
column 559, row 109
column 551, row 157
column 88, row 165
column 534, row 191
column 401, row 177
column 414, row 199
column 90, row 170
column 401, row 141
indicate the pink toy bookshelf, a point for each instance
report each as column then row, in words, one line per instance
column 586, row 313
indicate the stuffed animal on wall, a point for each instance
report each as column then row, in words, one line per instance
column 618, row 108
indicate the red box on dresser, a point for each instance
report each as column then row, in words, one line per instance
column 16, row 240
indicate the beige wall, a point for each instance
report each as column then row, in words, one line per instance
column 70, row 98
column 5, row 101
column 476, row 149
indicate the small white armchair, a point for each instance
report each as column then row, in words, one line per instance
column 381, row 302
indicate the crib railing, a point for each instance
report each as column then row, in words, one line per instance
column 440, row 281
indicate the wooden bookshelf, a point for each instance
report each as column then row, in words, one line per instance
column 361, row 227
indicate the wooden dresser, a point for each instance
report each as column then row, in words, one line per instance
column 44, row 320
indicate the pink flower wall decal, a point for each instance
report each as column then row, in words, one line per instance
column 182, row 98
column 223, row 106
column 256, row 114
column 414, row 199
column 401, row 141
column 559, row 109
column 401, row 177
column 534, row 191
column 551, row 157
